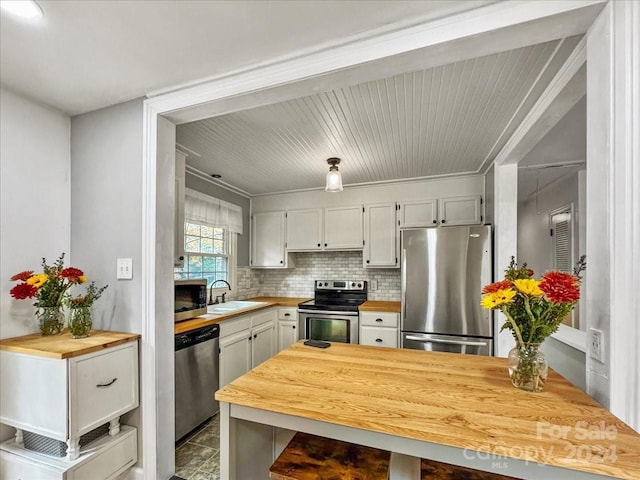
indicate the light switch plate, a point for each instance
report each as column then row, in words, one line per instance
column 124, row 268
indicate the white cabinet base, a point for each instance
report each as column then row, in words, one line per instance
column 103, row 459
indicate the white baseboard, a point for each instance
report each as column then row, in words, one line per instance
column 134, row 473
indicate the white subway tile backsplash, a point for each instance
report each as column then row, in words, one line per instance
column 298, row 281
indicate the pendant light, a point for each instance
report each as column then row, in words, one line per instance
column 334, row 179
column 26, row 9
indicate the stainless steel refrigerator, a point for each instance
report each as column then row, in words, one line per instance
column 443, row 272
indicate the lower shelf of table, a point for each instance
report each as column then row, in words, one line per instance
column 103, row 459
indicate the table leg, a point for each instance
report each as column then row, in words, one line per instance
column 404, row 467
column 228, row 427
column 73, row 448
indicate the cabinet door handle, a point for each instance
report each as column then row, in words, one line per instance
column 443, row 221
column 294, row 327
column 368, row 261
column 379, row 340
column 255, row 336
column 378, row 319
column 287, row 314
column 281, row 261
column 319, row 245
column 101, row 385
column 435, row 221
column 325, row 244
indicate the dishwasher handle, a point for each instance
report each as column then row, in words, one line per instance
column 194, row 337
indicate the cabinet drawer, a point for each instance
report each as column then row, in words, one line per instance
column 113, row 459
column 288, row 313
column 379, row 319
column 379, row 337
column 235, row 325
column 14, row 467
column 102, row 386
column 265, row 316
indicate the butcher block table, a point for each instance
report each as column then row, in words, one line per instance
column 458, row 409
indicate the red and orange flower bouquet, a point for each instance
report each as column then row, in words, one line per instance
column 534, row 310
column 49, row 288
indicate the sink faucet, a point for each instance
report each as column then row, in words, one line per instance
column 211, row 302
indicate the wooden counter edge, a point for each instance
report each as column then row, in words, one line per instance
column 21, row 344
column 380, row 306
column 195, row 323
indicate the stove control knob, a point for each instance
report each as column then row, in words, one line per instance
column 326, row 284
column 353, row 284
column 359, row 285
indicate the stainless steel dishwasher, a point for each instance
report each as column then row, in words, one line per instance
column 196, row 377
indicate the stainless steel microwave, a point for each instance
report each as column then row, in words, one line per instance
column 190, row 298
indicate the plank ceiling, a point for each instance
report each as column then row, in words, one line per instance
column 448, row 120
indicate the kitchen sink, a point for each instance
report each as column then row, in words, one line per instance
column 228, row 307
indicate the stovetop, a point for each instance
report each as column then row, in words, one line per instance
column 337, row 295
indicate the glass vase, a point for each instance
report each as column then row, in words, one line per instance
column 528, row 367
column 80, row 322
column 50, row 320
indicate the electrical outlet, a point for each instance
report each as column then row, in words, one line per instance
column 124, row 268
column 596, row 344
column 373, row 285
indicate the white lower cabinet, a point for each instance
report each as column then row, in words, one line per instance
column 379, row 329
column 288, row 332
column 245, row 342
column 262, row 343
column 69, row 401
column 235, row 356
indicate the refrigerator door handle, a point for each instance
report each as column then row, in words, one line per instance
column 449, row 342
column 403, row 284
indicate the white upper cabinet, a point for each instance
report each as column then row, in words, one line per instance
column 419, row 214
column 445, row 211
column 380, row 235
column 304, row 230
column 343, row 228
column 268, row 240
column 460, row 210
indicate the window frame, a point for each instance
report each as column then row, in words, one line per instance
column 231, row 255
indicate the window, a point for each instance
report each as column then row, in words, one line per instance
column 209, row 253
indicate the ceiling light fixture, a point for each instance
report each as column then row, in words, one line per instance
column 334, row 179
column 27, row 9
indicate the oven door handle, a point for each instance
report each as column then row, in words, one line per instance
column 328, row 312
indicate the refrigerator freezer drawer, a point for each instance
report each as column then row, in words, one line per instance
column 447, row 343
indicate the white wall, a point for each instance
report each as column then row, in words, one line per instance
column 34, row 202
column 34, row 199
column 106, row 152
column 534, row 242
column 535, row 248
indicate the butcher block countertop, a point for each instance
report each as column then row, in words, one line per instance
column 207, row 319
column 380, row 306
column 63, row 346
column 462, row 401
column 281, row 301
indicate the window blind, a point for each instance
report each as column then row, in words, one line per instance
column 202, row 208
